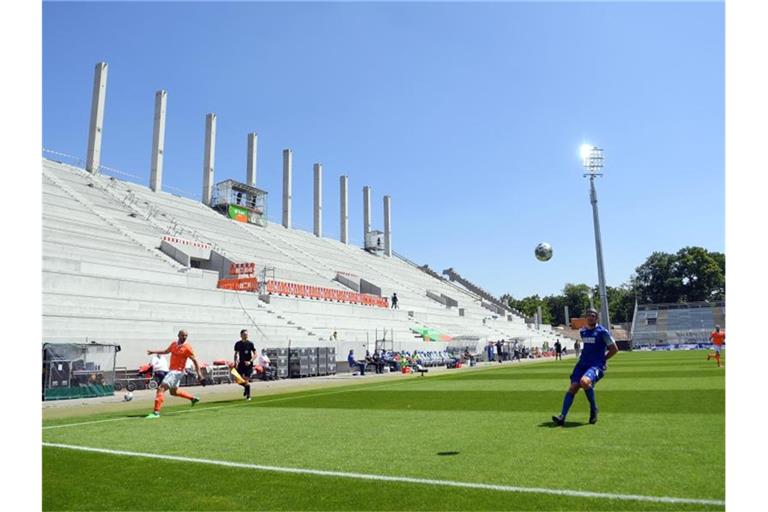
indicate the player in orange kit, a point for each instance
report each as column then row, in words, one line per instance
column 180, row 351
column 717, row 338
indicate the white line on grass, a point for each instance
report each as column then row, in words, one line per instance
column 404, row 479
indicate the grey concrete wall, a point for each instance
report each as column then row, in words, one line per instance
column 344, row 209
column 158, row 142
column 366, row 211
column 250, row 175
column 209, row 157
column 388, row 225
column 318, row 200
column 287, row 183
column 96, row 128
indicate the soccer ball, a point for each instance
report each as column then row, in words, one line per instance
column 128, row 397
column 543, row 251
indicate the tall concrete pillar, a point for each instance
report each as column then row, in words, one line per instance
column 158, row 142
column 210, row 156
column 344, row 209
column 567, row 317
column 366, row 211
column 251, row 171
column 98, row 99
column 318, row 209
column 388, row 225
column 287, row 197
column 538, row 317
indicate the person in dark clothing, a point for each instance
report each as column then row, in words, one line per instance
column 558, row 350
column 244, row 354
column 499, row 348
column 394, row 301
column 378, row 362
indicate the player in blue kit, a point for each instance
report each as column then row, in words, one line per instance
column 599, row 346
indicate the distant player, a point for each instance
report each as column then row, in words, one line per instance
column 245, row 351
column 591, row 366
column 180, row 351
column 717, row 338
column 558, row 350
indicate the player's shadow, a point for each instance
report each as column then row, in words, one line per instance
column 568, row 424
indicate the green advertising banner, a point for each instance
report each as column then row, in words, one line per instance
column 238, row 213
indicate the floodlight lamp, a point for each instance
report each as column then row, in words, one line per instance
column 584, row 151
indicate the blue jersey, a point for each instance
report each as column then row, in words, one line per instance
column 594, row 342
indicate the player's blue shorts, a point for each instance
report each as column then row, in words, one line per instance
column 593, row 373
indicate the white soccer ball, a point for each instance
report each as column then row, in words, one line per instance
column 128, row 397
column 543, row 251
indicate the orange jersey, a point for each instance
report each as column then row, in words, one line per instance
column 179, row 355
column 717, row 337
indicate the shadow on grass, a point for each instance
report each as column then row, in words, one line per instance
column 568, row 424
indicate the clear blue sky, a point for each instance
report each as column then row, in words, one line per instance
column 469, row 115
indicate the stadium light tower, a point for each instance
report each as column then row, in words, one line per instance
column 592, row 160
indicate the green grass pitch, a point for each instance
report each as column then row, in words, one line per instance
column 661, row 434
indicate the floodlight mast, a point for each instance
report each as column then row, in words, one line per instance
column 592, row 160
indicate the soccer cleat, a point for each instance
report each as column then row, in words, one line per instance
column 558, row 420
column 152, row 415
column 247, row 399
column 195, row 400
column 593, row 417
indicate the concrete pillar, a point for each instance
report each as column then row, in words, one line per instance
column 538, row 317
column 250, row 178
column 388, row 225
column 318, row 209
column 158, row 142
column 366, row 211
column 98, row 99
column 567, row 317
column 344, row 209
column 287, row 171
column 210, row 156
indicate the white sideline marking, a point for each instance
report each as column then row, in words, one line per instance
column 203, row 409
column 405, row 479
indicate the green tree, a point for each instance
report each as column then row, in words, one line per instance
column 692, row 274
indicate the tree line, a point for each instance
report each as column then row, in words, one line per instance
column 692, row 274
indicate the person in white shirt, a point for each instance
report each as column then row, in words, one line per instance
column 159, row 367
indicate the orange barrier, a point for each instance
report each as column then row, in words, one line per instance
column 236, row 269
column 304, row 291
column 317, row 292
column 245, row 283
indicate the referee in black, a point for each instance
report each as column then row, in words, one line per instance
column 244, row 353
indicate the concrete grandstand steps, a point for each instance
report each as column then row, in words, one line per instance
column 86, row 205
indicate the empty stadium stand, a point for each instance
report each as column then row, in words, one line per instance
column 123, row 264
column 674, row 324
